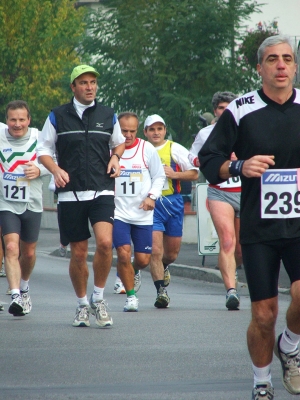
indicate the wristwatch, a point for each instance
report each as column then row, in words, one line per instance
column 152, row 197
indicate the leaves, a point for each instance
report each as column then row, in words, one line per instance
column 166, row 57
column 38, row 41
column 253, row 39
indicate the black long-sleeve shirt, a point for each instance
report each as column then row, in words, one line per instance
column 256, row 125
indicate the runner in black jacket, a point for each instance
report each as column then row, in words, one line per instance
column 263, row 129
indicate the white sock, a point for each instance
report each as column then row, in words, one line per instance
column 97, row 294
column 15, row 291
column 24, row 285
column 289, row 341
column 82, row 301
column 262, row 374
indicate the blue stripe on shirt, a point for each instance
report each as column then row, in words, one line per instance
column 52, row 119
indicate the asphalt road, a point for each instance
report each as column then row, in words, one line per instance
column 196, row 349
column 189, row 263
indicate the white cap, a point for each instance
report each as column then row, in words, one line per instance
column 152, row 119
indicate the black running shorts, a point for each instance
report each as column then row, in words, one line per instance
column 74, row 216
column 262, row 265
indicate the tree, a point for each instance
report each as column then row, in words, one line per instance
column 253, row 39
column 247, row 53
column 166, row 57
column 38, row 41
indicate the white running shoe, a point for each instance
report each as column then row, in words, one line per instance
column 63, row 250
column 119, row 287
column 98, row 308
column 16, row 307
column 131, row 304
column 1, row 307
column 2, row 272
column 263, row 391
column 82, row 316
column 290, row 364
column 26, row 301
column 137, row 281
column 232, row 300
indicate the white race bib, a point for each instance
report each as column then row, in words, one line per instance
column 129, row 183
column 233, row 182
column 280, row 195
column 15, row 187
column 166, row 184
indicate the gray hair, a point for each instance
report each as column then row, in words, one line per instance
column 222, row 97
column 273, row 41
column 127, row 114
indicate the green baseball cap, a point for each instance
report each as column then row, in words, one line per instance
column 82, row 69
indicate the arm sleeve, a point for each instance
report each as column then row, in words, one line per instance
column 181, row 156
column 117, row 137
column 199, row 141
column 43, row 170
column 47, row 139
column 156, row 170
column 218, row 147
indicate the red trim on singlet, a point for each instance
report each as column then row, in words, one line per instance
column 133, row 144
column 143, row 155
column 233, row 189
column 136, row 144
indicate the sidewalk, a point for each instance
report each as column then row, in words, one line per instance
column 188, row 264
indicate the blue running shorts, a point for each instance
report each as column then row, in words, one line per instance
column 140, row 235
column 168, row 215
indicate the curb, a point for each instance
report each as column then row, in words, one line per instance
column 184, row 271
column 181, row 270
column 198, row 273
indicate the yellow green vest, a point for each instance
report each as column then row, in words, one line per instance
column 171, row 186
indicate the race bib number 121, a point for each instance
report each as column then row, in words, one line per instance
column 15, row 187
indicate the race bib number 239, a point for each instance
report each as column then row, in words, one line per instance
column 280, row 193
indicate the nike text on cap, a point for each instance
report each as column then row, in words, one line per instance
column 82, row 69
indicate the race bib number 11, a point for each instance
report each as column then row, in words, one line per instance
column 129, row 183
column 280, row 194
